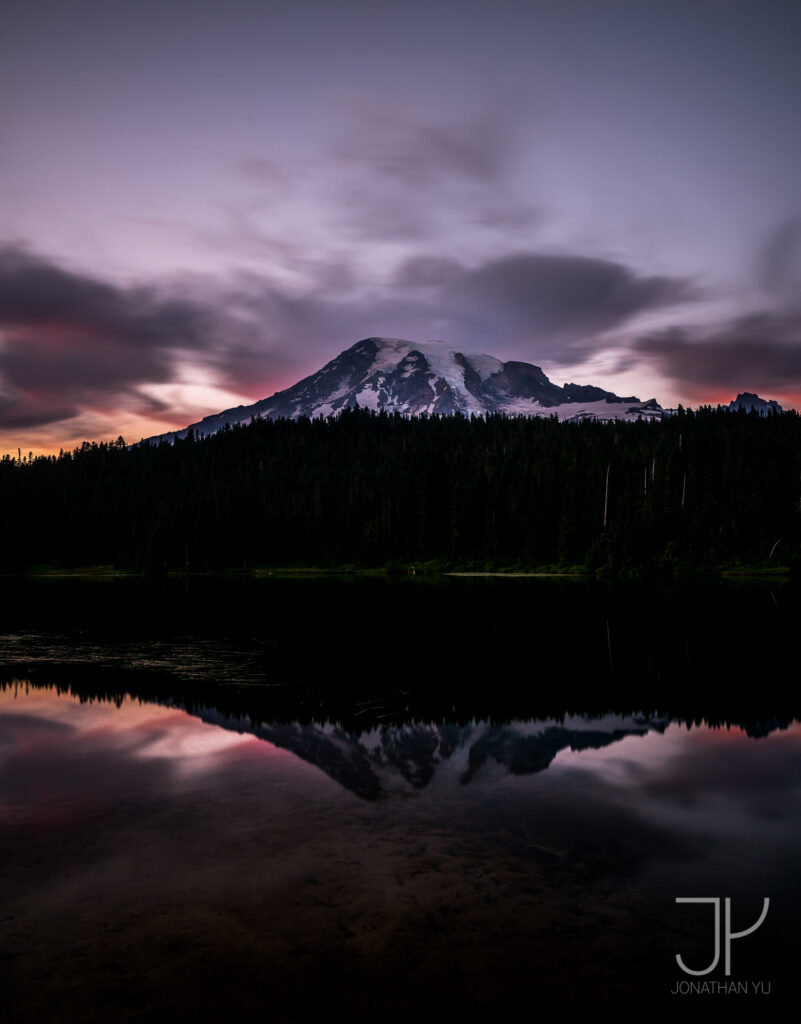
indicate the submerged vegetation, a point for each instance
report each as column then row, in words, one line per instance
column 699, row 489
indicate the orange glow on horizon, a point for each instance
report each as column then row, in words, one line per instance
column 189, row 403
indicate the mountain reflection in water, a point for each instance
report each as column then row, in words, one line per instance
column 401, row 759
column 196, row 824
column 182, row 862
column 384, row 760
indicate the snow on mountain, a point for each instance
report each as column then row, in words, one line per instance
column 393, row 760
column 430, row 377
column 399, row 760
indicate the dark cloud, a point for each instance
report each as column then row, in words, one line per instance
column 536, row 306
column 566, row 299
column 69, row 340
column 36, row 292
column 72, row 344
column 525, row 305
column 760, row 352
column 30, row 410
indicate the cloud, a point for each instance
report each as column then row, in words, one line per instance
column 759, row 352
column 510, row 217
column 428, row 272
column 374, row 213
column 415, row 153
column 70, row 340
column 561, row 302
column 408, row 178
column 35, row 292
column 73, row 346
column 525, row 305
column 779, row 261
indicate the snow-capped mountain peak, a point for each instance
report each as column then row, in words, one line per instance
column 432, row 377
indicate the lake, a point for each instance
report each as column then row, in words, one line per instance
column 440, row 799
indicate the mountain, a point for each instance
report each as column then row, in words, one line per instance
column 749, row 401
column 398, row 760
column 428, row 377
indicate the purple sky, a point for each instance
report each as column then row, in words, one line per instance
column 205, row 201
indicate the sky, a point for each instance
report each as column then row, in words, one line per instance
column 203, row 202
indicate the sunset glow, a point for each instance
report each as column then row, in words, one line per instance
column 571, row 185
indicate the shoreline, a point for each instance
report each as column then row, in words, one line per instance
column 645, row 574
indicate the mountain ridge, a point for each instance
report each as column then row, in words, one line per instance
column 435, row 378
column 432, row 377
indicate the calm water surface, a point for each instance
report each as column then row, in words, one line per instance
column 228, row 801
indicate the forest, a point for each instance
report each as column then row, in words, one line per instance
column 697, row 490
